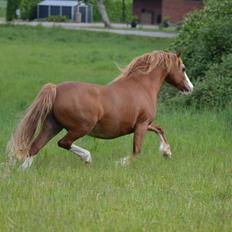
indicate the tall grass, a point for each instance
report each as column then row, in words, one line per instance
column 190, row 192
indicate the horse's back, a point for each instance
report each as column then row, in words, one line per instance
column 77, row 103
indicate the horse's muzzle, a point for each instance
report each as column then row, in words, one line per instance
column 187, row 90
column 188, row 86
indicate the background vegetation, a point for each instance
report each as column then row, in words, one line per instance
column 28, row 8
column 190, row 192
column 2, row 8
column 114, row 9
column 205, row 42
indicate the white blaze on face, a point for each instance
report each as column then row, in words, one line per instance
column 188, row 83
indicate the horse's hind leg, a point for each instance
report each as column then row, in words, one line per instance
column 49, row 129
column 67, row 143
column 164, row 146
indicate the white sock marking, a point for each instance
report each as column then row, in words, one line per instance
column 27, row 163
column 164, row 147
column 83, row 153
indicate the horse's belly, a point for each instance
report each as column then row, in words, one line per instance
column 110, row 130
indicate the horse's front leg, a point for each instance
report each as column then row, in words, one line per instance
column 138, row 139
column 164, row 146
column 139, row 133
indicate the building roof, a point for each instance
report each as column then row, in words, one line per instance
column 58, row 3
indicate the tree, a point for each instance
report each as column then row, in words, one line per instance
column 12, row 6
column 103, row 13
column 123, row 11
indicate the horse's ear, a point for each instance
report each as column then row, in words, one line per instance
column 178, row 54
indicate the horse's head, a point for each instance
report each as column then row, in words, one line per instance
column 177, row 76
column 168, row 62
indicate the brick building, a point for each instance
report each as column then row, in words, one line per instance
column 154, row 11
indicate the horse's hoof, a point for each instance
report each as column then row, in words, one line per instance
column 88, row 164
column 166, row 151
column 87, row 159
column 167, row 156
column 124, row 161
column 27, row 163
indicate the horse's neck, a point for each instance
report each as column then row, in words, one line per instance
column 150, row 83
column 153, row 82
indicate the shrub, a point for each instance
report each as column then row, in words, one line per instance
column 215, row 90
column 205, row 41
column 205, row 37
column 55, row 18
column 28, row 9
column 12, row 6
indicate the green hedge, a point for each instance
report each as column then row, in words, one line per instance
column 215, row 90
column 55, row 18
column 205, row 41
column 205, row 37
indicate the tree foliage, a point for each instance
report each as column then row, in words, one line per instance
column 215, row 90
column 28, row 8
column 205, row 41
column 12, row 6
column 114, row 10
column 206, row 36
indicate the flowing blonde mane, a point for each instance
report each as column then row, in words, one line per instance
column 145, row 64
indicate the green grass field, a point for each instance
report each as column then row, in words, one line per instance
column 190, row 192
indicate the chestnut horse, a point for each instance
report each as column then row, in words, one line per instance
column 126, row 105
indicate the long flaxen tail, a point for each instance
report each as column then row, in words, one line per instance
column 25, row 131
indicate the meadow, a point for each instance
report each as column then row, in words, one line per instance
column 192, row 191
